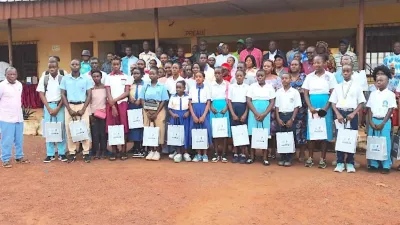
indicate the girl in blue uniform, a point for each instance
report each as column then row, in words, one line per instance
column 136, row 135
column 178, row 108
column 199, row 106
column 317, row 88
column 219, row 109
column 238, row 109
column 260, row 100
column 380, row 105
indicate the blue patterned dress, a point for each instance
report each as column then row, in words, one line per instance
column 300, row 122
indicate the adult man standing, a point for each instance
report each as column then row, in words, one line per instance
column 76, row 94
column 301, row 49
column 308, row 64
column 147, row 55
column 195, row 50
column 295, row 48
column 223, row 57
column 181, row 55
column 11, row 119
column 50, row 94
column 344, row 50
column 94, row 64
column 208, row 71
column 128, row 60
column 273, row 51
column 106, row 67
column 159, row 52
column 85, row 65
column 251, row 50
column 239, row 48
column 203, row 50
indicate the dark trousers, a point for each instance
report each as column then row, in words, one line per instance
column 354, row 126
column 99, row 136
column 285, row 117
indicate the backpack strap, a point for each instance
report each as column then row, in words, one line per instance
column 62, row 72
column 46, row 81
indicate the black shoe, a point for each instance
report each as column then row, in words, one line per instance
column 235, row 158
column 242, row 159
column 52, row 158
column 48, row 159
column 71, row 158
column 385, row 171
column 86, row 158
column 62, row 158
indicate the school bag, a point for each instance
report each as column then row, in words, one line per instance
column 47, row 77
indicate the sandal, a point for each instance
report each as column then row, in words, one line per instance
column 7, row 165
column 112, row 157
column 22, row 160
column 123, row 157
column 266, row 163
column 249, row 161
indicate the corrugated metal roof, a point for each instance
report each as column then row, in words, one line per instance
column 19, row 9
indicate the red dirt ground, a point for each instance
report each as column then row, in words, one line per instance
column 140, row 192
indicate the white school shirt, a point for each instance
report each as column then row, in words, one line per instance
column 288, row 100
column 380, row 102
column 237, row 93
column 319, row 84
column 347, row 95
column 257, row 92
column 53, row 93
column 179, row 103
column 201, row 95
column 103, row 76
column 170, row 84
column 117, row 84
column 218, row 91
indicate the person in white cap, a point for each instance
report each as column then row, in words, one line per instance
column 223, row 57
column 211, row 60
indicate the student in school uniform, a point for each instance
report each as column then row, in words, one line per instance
column 97, row 122
column 170, row 84
column 219, row 109
column 380, row 105
column 161, row 76
column 239, row 111
column 178, row 108
column 153, row 97
column 260, row 101
column 287, row 105
column 317, row 88
column 136, row 135
column 199, row 106
column 347, row 100
column 117, row 86
column 50, row 94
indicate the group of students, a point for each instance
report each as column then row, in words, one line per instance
column 189, row 96
column 173, row 96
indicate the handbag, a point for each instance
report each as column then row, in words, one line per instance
column 176, row 134
column 100, row 113
column 116, row 135
column 150, row 104
column 376, row 148
column 317, row 128
column 79, row 130
column 219, row 127
column 240, row 135
column 199, row 139
column 259, row 138
column 285, row 142
column 53, row 131
column 151, row 136
column 135, row 118
column 395, row 145
column 346, row 140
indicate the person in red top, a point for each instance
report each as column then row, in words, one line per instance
column 251, row 50
column 226, row 72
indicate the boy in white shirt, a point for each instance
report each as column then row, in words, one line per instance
column 380, row 105
column 347, row 99
column 288, row 102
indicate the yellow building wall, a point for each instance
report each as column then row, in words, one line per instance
column 323, row 19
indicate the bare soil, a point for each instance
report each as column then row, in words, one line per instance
column 141, row 192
